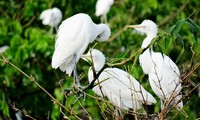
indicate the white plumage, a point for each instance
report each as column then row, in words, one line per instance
column 3, row 48
column 103, row 7
column 51, row 17
column 117, row 85
column 162, row 71
column 74, row 35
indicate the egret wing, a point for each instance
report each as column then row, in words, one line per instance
column 125, row 86
column 171, row 74
column 71, row 41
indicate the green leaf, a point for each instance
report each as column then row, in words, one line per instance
column 170, row 30
column 167, row 41
column 16, row 41
column 3, row 105
column 195, row 29
column 182, row 50
column 177, row 28
column 16, row 27
column 194, row 24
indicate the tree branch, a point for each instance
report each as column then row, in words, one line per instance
column 31, row 78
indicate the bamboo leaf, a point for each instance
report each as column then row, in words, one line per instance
column 195, row 29
column 177, row 28
column 182, row 50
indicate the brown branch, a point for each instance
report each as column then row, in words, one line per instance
column 22, row 111
column 117, row 34
column 30, row 22
column 3, row 12
column 130, row 18
column 32, row 79
column 139, row 51
column 132, row 57
column 193, row 69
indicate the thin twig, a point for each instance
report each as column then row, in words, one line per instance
column 29, row 22
column 31, row 78
column 139, row 51
column 193, row 69
column 22, row 111
column 117, row 34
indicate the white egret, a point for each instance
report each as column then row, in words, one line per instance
column 3, row 48
column 74, row 35
column 162, row 71
column 102, row 8
column 51, row 17
column 122, row 89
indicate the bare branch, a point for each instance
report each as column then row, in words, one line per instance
column 31, row 78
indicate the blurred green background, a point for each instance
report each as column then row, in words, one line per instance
column 31, row 49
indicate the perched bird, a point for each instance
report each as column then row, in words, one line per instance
column 162, row 71
column 102, row 8
column 51, row 17
column 3, row 48
column 122, row 89
column 73, row 37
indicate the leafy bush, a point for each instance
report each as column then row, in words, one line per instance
column 31, row 49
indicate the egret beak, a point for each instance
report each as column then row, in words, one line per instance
column 85, row 57
column 134, row 26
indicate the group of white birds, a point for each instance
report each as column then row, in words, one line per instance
column 122, row 89
column 53, row 17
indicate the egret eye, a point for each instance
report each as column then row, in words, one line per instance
column 98, row 36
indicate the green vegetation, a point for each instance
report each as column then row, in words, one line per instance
column 31, row 49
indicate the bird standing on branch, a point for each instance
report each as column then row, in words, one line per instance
column 122, row 89
column 73, row 37
column 164, row 75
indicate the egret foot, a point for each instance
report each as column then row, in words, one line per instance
column 75, row 90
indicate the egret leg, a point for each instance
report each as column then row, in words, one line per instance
column 51, row 31
column 56, row 28
column 161, row 104
column 105, row 18
column 76, row 81
column 102, row 19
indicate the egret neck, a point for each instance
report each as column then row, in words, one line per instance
column 148, row 40
column 98, row 63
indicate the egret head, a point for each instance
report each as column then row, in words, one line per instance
column 148, row 27
column 51, row 17
column 3, row 48
column 55, row 9
column 57, row 13
column 104, row 32
column 96, row 57
column 56, row 16
column 45, row 16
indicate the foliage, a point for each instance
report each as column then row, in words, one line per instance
column 31, row 49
